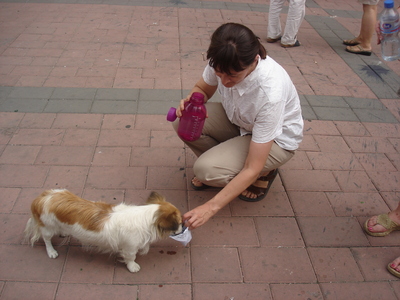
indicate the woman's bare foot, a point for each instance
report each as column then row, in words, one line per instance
column 197, row 183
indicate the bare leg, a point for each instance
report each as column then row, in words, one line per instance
column 367, row 30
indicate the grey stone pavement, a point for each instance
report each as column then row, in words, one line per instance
column 84, row 89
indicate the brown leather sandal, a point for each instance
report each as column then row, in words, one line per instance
column 259, row 191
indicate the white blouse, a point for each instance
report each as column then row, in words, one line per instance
column 264, row 104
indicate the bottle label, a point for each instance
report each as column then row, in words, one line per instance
column 388, row 28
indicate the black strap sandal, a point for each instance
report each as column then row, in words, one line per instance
column 259, row 191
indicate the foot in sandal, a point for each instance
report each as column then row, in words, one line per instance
column 383, row 224
column 394, row 267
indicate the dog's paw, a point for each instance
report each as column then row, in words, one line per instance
column 52, row 253
column 133, row 267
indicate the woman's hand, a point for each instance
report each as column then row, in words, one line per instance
column 378, row 32
column 198, row 216
column 181, row 106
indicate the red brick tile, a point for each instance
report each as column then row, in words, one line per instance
column 334, row 144
column 25, row 198
column 279, row 232
column 376, row 161
column 114, row 138
column 95, row 291
column 9, row 196
column 308, row 144
column 160, row 291
column 203, row 291
column 160, row 265
column 334, row 265
column 357, row 290
column 119, row 122
column 276, row 265
column 310, row 204
column 309, row 180
column 331, row 232
column 22, row 175
column 215, row 265
column 80, row 137
column 274, row 204
column 299, row 161
column 385, row 181
column 9, row 120
column 83, row 266
column 35, row 290
column 12, row 228
column 27, row 136
column 88, row 121
column 320, row 127
column 354, row 181
column 66, row 177
column 112, row 156
column 65, row 81
column 383, row 129
column 334, row 161
column 37, row 265
column 152, row 156
column 103, row 195
column 196, row 198
column 109, row 177
column 168, row 178
column 19, row 154
column 65, row 156
column 225, row 231
column 351, row 128
column 165, row 139
column 356, row 204
column 37, row 120
column 394, row 159
column 296, row 291
column 370, row 144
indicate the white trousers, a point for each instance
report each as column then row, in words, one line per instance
column 295, row 16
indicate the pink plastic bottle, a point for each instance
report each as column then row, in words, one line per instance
column 193, row 117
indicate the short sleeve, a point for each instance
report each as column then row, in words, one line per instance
column 209, row 76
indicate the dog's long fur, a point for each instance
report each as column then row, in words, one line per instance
column 123, row 229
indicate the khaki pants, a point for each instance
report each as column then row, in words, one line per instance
column 222, row 152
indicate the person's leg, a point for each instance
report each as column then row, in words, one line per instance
column 220, row 164
column 217, row 128
column 293, row 21
column 274, row 23
column 367, row 30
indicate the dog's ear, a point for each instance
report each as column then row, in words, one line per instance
column 168, row 219
column 155, row 198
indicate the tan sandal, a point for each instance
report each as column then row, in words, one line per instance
column 393, row 271
column 384, row 221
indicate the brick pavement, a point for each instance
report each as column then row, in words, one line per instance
column 84, row 87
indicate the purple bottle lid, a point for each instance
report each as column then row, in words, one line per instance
column 171, row 115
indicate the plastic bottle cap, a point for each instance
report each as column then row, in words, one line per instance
column 389, row 3
column 171, row 116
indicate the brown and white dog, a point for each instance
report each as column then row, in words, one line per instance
column 123, row 229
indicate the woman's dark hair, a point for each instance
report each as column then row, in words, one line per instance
column 233, row 47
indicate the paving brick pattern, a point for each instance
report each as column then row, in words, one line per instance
column 84, row 88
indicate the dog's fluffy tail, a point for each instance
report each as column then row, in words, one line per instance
column 32, row 231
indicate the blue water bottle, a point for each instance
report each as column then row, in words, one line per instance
column 389, row 27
